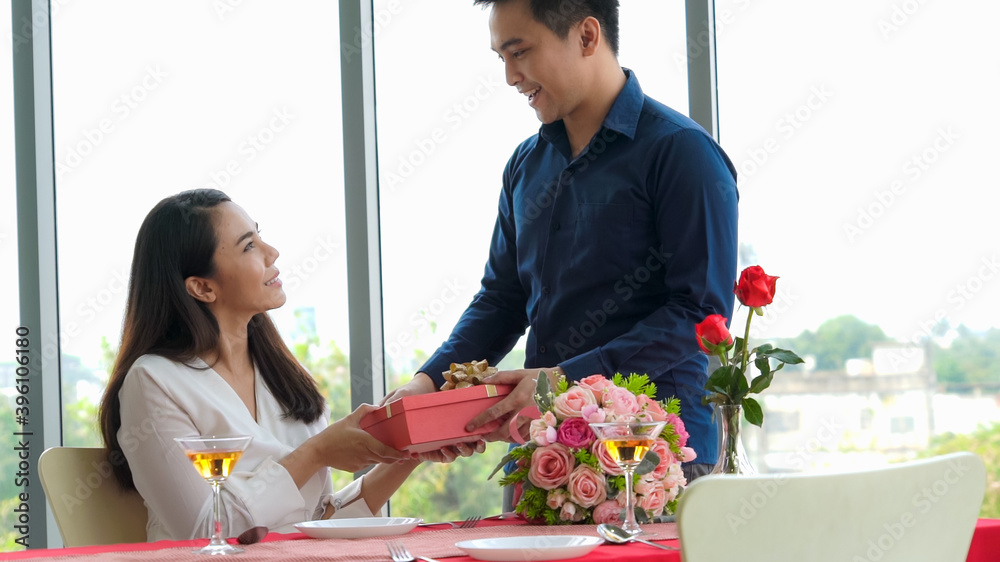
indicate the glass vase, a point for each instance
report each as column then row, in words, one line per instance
column 732, row 456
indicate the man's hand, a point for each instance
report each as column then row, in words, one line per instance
column 452, row 452
column 521, row 397
column 420, row 384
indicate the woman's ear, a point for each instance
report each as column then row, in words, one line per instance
column 200, row 288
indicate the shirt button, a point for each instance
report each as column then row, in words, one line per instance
column 556, row 227
column 545, row 290
column 542, row 349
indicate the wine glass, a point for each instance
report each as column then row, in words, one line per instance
column 628, row 442
column 214, row 459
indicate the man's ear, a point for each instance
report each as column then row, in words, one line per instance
column 200, row 288
column 590, row 35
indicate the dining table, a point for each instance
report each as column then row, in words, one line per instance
column 437, row 541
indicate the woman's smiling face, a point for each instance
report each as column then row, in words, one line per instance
column 246, row 281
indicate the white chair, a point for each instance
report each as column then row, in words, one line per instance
column 90, row 507
column 920, row 510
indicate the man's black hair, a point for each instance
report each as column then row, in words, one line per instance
column 560, row 15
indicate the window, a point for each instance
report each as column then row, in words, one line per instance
column 861, row 145
column 247, row 101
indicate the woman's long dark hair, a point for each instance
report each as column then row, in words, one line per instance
column 176, row 241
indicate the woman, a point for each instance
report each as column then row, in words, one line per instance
column 200, row 356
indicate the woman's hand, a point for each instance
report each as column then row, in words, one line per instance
column 345, row 446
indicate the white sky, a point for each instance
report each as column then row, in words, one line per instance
column 885, row 100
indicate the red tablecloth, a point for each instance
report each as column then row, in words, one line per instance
column 985, row 548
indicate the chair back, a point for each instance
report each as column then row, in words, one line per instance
column 919, row 510
column 89, row 505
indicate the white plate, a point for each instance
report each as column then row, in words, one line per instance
column 357, row 528
column 554, row 547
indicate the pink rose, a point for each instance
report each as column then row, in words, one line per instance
column 688, row 454
column 596, row 384
column 556, row 498
column 608, row 464
column 620, row 402
column 653, row 409
column 586, row 487
column 671, row 494
column 550, row 466
column 570, row 513
column 654, row 498
column 662, row 450
column 674, row 477
column 593, row 413
column 645, row 485
column 570, row 403
column 542, row 433
column 675, row 420
column 608, row 512
column 620, row 498
column 575, row 434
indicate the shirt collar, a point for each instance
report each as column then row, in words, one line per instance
column 623, row 117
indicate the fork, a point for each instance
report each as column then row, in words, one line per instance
column 399, row 553
column 467, row 524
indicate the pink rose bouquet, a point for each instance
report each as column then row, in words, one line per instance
column 565, row 475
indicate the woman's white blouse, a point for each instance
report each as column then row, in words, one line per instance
column 163, row 399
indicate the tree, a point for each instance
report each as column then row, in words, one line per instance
column 970, row 361
column 837, row 340
column 984, row 442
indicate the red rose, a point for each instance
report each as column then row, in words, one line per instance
column 713, row 328
column 755, row 288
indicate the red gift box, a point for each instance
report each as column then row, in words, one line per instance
column 427, row 422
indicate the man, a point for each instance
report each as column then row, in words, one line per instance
column 616, row 230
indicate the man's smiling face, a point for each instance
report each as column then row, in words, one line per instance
column 537, row 62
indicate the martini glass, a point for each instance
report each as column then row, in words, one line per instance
column 628, row 442
column 214, row 459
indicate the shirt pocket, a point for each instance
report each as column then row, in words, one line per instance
column 607, row 213
column 609, row 235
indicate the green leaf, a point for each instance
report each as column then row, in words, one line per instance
column 562, row 385
column 672, row 405
column 740, row 386
column 543, row 392
column 517, row 453
column 584, row 456
column 764, row 348
column 763, row 365
column 506, row 458
column 760, row 383
column 715, row 398
column 719, row 377
column 636, row 384
column 648, row 464
column 752, row 411
column 785, row 356
column 641, row 516
column 738, row 348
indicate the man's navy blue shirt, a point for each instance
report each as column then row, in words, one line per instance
column 611, row 257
